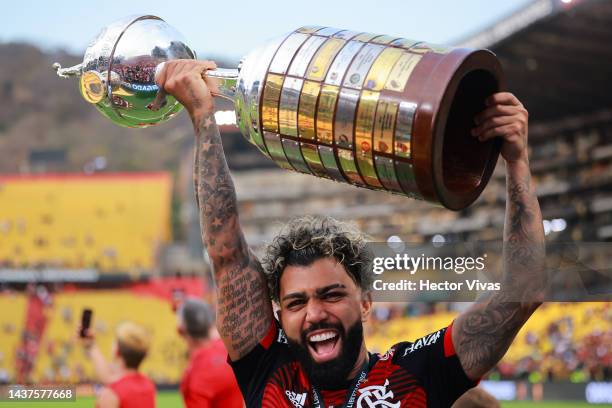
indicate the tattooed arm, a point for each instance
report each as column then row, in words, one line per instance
column 244, row 311
column 484, row 332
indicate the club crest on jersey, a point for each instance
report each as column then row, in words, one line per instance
column 423, row 341
column 297, row 399
column 387, row 355
column 376, row 396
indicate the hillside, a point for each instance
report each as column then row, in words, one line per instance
column 42, row 114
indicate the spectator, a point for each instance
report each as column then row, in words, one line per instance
column 125, row 387
column 208, row 380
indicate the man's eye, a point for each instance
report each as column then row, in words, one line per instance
column 294, row 304
column 333, row 296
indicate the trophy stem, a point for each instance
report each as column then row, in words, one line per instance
column 226, row 79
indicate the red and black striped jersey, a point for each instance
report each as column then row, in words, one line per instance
column 424, row 373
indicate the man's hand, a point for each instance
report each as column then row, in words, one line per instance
column 483, row 333
column 186, row 81
column 103, row 370
column 88, row 341
column 505, row 117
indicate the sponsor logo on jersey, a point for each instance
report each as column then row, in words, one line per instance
column 422, row 342
column 376, row 396
column 297, row 399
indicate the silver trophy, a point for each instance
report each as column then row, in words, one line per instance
column 375, row 111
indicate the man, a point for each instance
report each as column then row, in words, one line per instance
column 314, row 271
column 124, row 387
column 208, row 380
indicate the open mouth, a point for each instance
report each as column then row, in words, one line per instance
column 324, row 345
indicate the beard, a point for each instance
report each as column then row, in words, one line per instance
column 332, row 373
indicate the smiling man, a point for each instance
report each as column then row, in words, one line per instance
column 315, row 355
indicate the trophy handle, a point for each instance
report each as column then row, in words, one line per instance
column 226, row 79
column 73, row 71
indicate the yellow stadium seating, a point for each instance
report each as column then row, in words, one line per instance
column 12, row 320
column 166, row 358
column 107, row 221
column 586, row 317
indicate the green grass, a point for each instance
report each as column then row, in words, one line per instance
column 552, row 404
column 169, row 399
column 172, row 399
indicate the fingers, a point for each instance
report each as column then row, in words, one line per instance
column 503, row 98
column 88, row 334
column 495, row 110
column 211, row 84
column 505, row 115
column 175, row 68
column 494, row 122
column 509, row 132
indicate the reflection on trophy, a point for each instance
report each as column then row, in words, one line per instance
column 375, row 111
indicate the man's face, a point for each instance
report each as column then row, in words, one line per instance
column 321, row 312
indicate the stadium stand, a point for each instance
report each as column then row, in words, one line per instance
column 110, row 222
column 561, row 341
column 13, row 308
column 61, row 358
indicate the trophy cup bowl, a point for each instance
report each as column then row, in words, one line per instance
column 374, row 111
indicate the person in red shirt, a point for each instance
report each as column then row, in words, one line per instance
column 208, row 380
column 125, row 387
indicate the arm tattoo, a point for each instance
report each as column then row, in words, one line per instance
column 244, row 311
column 483, row 333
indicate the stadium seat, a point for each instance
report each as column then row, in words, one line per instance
column 111, row 222
column 61, row 355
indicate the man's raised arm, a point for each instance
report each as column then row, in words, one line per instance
column 244, row 311
column 484, row 332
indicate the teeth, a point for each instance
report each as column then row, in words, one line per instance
column 322, row 336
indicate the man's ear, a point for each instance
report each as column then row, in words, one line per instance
column 366, row 306
column 278, row 313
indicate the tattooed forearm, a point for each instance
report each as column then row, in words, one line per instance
column 243, row 306
column 483, row 334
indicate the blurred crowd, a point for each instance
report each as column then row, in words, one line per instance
column 137, row 73
column 564, row 349
column 560, row 358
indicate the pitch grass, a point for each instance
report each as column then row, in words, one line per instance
column 172, row 399
column 165, row 399
column 552, row 404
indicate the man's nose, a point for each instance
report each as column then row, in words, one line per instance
column 315, row 312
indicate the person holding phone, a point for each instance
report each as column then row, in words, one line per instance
column 124, row 385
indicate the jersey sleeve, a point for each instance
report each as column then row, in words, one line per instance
column 432, row 359
column 253, row 370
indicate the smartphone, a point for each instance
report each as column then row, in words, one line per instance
column 85, row 321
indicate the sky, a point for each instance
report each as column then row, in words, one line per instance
column 233, row 27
